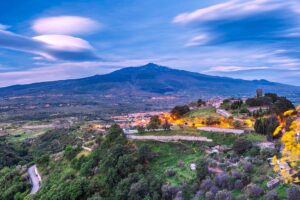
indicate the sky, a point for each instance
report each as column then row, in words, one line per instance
column 66, row 39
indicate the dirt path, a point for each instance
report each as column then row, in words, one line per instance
column 169, row 138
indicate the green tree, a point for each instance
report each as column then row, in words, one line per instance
column 201, row 169
column 179, row 111
column 154, row 123
column 70, row 152
column 240, row 146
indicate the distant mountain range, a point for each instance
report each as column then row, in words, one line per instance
column 152, row 80
column 132, row 89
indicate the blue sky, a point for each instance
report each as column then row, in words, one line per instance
column 63, row 39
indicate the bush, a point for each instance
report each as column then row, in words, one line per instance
column 209, row 196
column 170, row 173
column 267, row 153
column 254, row 191
column 201, row 169
column 254, row 151
column 169, row 192
column 247, row 167
column 240, row 146
column 223, row 195
column 237, row 174
column 293, row 193
column 238, row 184
column 179, row 111
column 272, row 195
column 206, row 184
column 241, row 197
column 222, row 180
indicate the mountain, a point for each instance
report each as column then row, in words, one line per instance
column 151, row 79
column 134, row 88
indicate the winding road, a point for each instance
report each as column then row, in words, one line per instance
column 35, row 179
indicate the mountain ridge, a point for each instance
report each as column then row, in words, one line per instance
column 150, row 78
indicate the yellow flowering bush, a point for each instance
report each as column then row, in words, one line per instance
column 288, row 166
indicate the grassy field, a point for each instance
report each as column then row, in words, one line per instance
column 203, row 112
column 19, row 134
column 170, row 154
column 218, row 138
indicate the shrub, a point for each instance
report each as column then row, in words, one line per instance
column 180, row 163
column 206, row 184
column 254, row 151
column 238, row 184
column 169, row 192
column 201, row 169
column 240, row 146
column 267, row 153
column 209, row 196
column 222, row 180
column 237, row 174
column 254, row 191
column 272, row 195
column 170, row 173
column 223, row 195
column 179, row 111
column 293, row 193
column 214, row 189
column 247, row 167
column 241, row 197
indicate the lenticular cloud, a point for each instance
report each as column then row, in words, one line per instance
column 65, row 25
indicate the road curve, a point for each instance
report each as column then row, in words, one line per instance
column 35, row 179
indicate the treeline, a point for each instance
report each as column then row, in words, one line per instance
column 12, row 154
column 117, row 169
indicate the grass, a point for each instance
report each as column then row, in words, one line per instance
column 254, row 137
column 19, row 135
column 218, row 138
column 186, row 131
column 169, row 154
column 203, row 112
column 83, row 153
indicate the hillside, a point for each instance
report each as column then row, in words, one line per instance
column 129, row 89
column 150, row 78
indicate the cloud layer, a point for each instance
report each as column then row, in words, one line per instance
column 65, row 25
column 52, row 47
column 246, row 21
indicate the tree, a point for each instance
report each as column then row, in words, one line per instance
column 114, row 132
column 140, row 129
column 43, row 160
column 266, row 126
column 236, row 104
column 240, row 146
column 260, row 101
column 154, row 122
column 166, row 125
column 273, row 96
column 144, row 153
column 282, row 104
column 178, row 111
column 200, row 103
column 70, row 152
column 201, row 169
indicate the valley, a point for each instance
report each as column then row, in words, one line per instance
column 214, row 147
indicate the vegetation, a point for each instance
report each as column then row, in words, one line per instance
column 179, row 111
column 13, row 186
